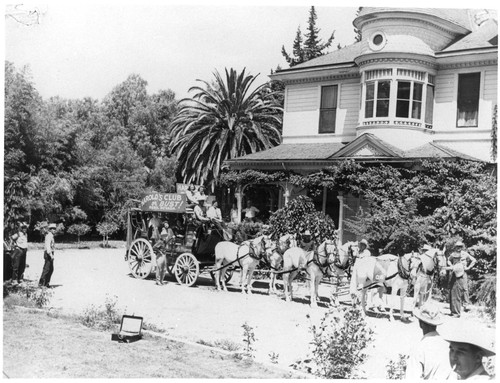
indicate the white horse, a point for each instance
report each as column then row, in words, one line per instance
column 246, row 255
column 329, row 260
column 383, row 271
column 275, row 259
column 431, row 262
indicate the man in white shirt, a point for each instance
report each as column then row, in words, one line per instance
column 48, row 255
column 250, row 212
column 429, row 359
column 214, row 213
column 19, row 253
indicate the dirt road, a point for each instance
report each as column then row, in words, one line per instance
column 87, row 277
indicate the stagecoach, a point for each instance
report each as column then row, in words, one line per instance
column 188, row 255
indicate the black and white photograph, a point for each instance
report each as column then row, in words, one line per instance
column 250, row 190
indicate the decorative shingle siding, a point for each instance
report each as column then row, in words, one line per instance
column 301, row 98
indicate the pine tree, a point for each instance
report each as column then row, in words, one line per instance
column 312, row 47
column 357, row 32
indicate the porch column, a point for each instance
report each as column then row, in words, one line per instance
column 341, row 217
column 287, row 193
column 239, row 201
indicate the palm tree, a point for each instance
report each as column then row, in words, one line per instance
column 221, row 121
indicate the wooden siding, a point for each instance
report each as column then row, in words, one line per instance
column 490, row 85
column 302, row 98
column 349, row 103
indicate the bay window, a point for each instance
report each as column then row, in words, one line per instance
column 400, row 96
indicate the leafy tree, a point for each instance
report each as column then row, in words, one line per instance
column 221, row 122
column 311, row 47
column 79, row 229
column 105, row 229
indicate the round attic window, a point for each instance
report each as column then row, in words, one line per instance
column 377, row 41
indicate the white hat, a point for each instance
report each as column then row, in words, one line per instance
column 429, row 313
column 459, row 243
column 364, row 242
column 307, row 232
column 52, row 226
column 470, row 332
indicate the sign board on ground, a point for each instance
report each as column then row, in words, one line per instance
column 164, row 202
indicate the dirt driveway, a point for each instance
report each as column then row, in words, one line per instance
column 87, row 277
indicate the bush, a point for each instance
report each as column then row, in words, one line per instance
column 103, row 318
column 300, row 215
column 397, row 369
column 79, row 229
column 339, row 343
column 105, row 229
column 24, row 294
column 486, row 294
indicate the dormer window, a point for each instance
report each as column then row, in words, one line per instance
column 398, row 96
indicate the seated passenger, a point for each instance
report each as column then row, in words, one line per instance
column 191, row 196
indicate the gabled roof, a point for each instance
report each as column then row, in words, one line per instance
column 485, row 36
column 368, row 145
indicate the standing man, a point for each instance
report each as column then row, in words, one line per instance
column 154, row 226
column 457, row 284
column 19, row 253
column 48, row 255
column 468, row 261
column 429, row 359
column 250, row 212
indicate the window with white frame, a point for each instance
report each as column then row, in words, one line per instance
column 468, row 99
column 404, row 96
column 328, row 109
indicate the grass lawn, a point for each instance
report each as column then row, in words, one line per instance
column 37, row 345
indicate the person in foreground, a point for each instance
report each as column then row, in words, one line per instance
column 469, row 343
column 429, row 359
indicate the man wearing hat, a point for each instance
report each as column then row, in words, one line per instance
column 429, row 359
column 160, row 247
column 20, row 242
column 48, row 255
column 469, row 343
column 468, row 261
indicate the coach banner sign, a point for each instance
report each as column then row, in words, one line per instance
column 164, row 202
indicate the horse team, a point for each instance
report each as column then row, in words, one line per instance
column 285, row 257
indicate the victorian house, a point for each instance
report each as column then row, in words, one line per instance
column 422, row 83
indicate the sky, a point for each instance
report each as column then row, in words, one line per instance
column 86, row 49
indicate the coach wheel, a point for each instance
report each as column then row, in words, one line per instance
column 186, row 269
column 140, row 257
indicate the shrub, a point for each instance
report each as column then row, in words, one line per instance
column 300, row 215
column 486, row 294
column 397, row 369
column 27, row 295
column 79, row 229
column 248, row 339
column 339, row 343
column 104, row 317
column 105, row 229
